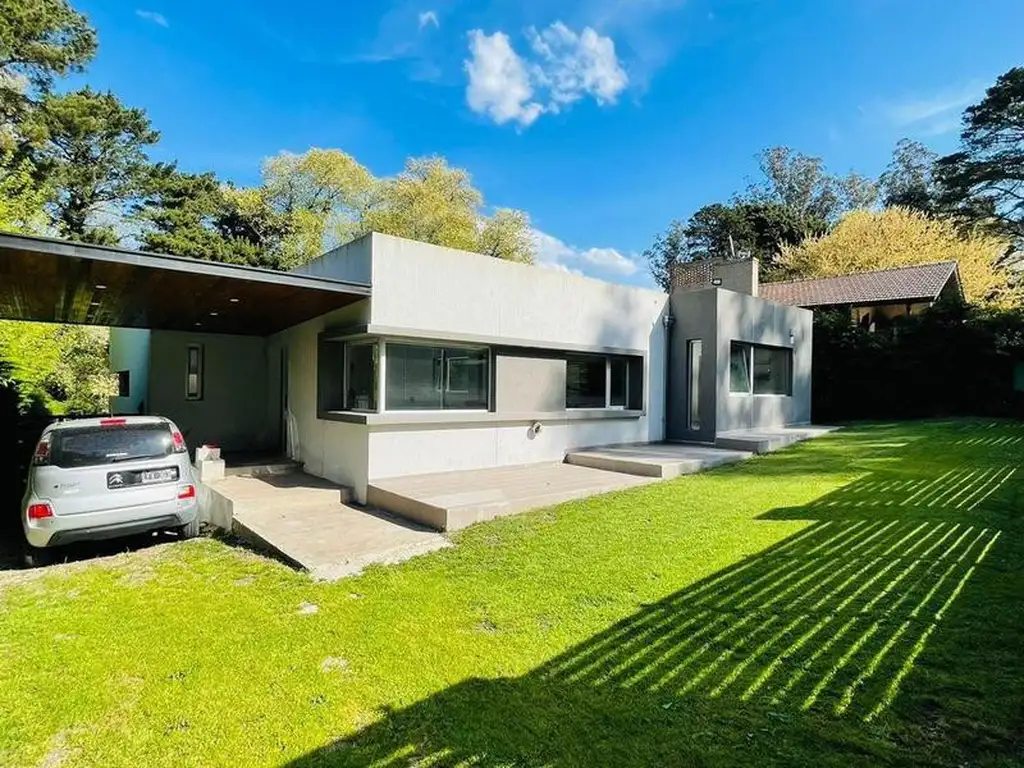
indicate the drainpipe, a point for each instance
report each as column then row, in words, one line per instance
column 667, row 322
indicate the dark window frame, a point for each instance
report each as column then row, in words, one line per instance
column 194, row 366
column 749, row 351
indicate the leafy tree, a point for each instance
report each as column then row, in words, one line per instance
column 741, row 230
column 43, row 38
column 668, row 250
column 798, row 182
column 328, row 185
column 983, row 183
column 94, row 152
column 428, row 201
column 507, row 235
column 39, row 39
column 196, row 216
column 81, row 379
column 21, row 197
column 64, row 367
column 857, row 192
column 909, row 179
column 893, row 237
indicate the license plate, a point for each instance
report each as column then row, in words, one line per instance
column 128, row 479
column 158, row 476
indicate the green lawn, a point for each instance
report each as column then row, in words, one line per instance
column 855, row 600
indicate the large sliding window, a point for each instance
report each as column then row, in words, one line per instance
column 601, row 381
column 424, row 378
column 760, row 370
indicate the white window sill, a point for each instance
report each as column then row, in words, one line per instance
column 441, row 418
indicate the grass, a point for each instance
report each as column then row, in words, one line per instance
column 855, row 600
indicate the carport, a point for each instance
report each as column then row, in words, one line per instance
column 57, row 281
column 221, row 317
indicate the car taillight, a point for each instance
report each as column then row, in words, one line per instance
column 42, row 454
column 39, row 511
column 187, row 492
column 113, row 422
column 179, row 441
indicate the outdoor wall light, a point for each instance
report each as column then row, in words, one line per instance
column 716, row 281
column 792, row 336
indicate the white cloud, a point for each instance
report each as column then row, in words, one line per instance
column 563, row 68
column 157, row 18
column 429, row 17
column 499, row 85
column 552, row 253
column 933, row 115
column 572, row 66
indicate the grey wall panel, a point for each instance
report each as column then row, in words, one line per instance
column 529, row 384
column 233, row 412
column 748, row 319
column 694, row 313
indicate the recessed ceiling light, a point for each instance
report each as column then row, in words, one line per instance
column 94, row 303
column 100, row 287
column 198, row 324
column 213, row 314
column 234, row 301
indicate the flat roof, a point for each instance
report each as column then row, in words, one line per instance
column 51, row 280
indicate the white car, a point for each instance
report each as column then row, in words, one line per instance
column 101, row 478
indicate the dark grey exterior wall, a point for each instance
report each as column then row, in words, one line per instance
column 718, row 317
column 695, row 313
column 529, row 384
column 238, row 410
column 749, row 319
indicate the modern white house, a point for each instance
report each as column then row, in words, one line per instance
column 457, row 361
column 390, row 358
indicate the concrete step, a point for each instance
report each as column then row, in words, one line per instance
column 282, row 467
column 449, row 501
column 660, row 460
column 768, row 440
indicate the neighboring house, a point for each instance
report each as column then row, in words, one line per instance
column 388, row 357
column 876, row 298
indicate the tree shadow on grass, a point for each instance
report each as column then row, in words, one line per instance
column 799, row 654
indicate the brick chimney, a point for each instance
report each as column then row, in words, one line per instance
column 732, row 275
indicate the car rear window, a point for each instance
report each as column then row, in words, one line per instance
column 91, row 446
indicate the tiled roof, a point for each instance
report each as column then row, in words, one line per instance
column 923, row 282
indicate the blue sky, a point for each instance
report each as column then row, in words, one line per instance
column 602, row 119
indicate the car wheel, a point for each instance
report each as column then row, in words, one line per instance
column 189, row 530
column 35, row 557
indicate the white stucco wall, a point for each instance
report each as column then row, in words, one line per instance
column 351, row 261
column 129, row 351
column 436, row 293
column 445, row 293
column 330, row 449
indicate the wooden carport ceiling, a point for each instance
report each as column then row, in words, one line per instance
column 58, row 281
